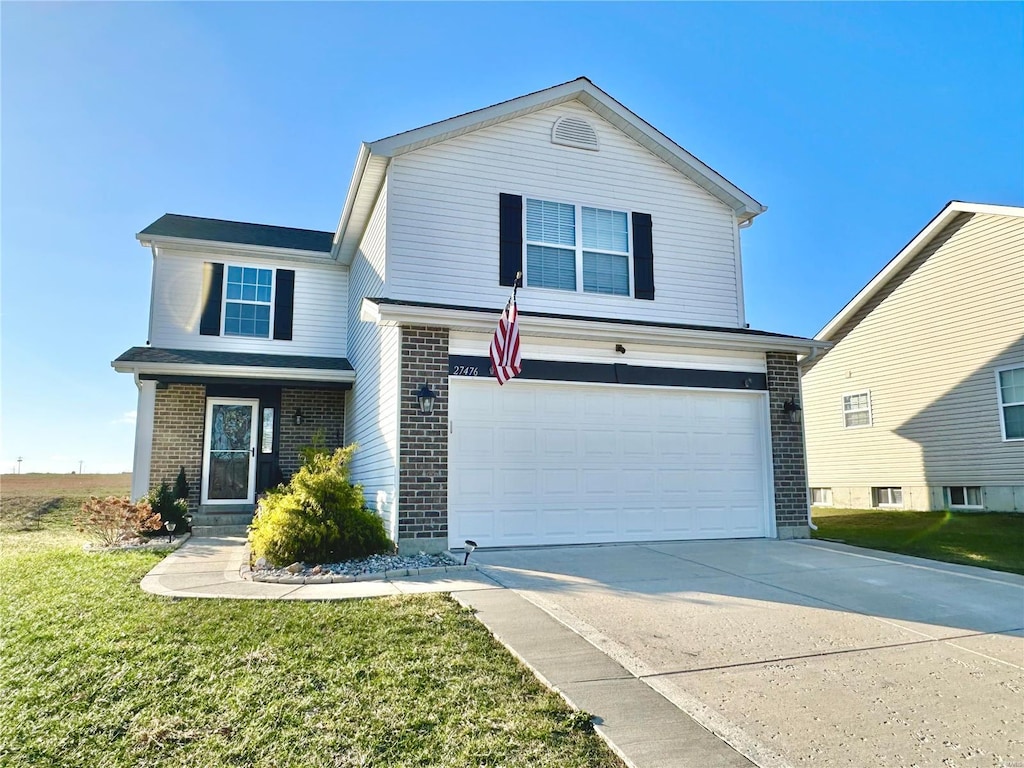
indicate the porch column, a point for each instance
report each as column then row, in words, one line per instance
column 143, row 438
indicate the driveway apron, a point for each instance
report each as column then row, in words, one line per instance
column 799, row 652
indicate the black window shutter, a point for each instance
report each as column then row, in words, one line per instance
column 284, row 303
column 213, row 291
column 643, row 256
column 510, row 255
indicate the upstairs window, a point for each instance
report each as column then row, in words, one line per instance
column 247, row 302
column 564, row 241
column 1010, row 386
column 857, row 410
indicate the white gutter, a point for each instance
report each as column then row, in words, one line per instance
column 469, row 320
column 234, row 371
column 223, row 247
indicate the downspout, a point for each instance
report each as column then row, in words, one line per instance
column 815, row 353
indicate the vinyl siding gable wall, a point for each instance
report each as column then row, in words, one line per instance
column 372, row 408
column 927, row 348
column 443, row 230
column 318, row 322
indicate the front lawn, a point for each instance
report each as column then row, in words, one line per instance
column 990, row 540
column 95, row 672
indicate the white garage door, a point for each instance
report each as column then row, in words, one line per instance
column 542, row 463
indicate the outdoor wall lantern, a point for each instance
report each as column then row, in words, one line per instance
column 620, row 349
column 426, row 397
column 470, row 546
column 170, row 530
column 298, row 417
column 792, row 409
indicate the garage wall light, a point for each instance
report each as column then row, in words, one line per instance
column 792, row 409
column 425, row 397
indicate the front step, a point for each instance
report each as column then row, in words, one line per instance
column 222, row 520
column 218, row 531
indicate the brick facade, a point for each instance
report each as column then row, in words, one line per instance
column 789, row 463
column 178, row 421
column 423, row 443
column 322, row 409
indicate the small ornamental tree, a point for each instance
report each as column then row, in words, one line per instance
column 112, row 520
column 170, row 508
column 318, row 517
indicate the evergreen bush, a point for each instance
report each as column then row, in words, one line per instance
column 168, row 506
column 318, row 517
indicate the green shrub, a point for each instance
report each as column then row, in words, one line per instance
column 181, row 486
column 168, row 506
column 318, row 517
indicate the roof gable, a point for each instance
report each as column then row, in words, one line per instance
column 890, row 272
column 178, row 227
column 374, row 157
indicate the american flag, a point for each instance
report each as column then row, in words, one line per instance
column 506, row 360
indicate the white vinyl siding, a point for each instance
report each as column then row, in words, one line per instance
column 1010, row 382
column 927, row 348
column 319, row 319
column 443, row 207
column 371, row 411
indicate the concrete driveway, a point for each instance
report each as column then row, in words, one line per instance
column 799, row 652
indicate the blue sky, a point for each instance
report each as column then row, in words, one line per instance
column 854, row 123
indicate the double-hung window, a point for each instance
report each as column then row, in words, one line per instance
column 1010, row 386
column 247, row 302
column 857, row 410
column 887, row 497
column 967, row 496
column 567, row 242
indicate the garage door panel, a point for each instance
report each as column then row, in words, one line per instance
column 534, row 463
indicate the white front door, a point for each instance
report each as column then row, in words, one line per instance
column 554, row 463
column 229, row 458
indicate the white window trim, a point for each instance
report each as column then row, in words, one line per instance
column 1002, row 405
column 888, row 505
column 224, row 302
column 870, row 409
column 578, row 248
column 949, row 497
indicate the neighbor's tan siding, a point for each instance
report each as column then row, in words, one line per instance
column 927, row 348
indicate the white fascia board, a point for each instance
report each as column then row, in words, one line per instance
column 234, row 371
column 911, row 250
column 598, row 329
column 368, row 176
column 221, row 248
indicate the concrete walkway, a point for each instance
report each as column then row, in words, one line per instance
column 644, row 728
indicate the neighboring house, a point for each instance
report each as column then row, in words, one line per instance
column 920, row 402
column 646, row 408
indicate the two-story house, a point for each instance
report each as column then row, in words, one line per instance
column 646, row 408
column 919, row 404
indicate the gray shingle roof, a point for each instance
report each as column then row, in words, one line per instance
column 219, row 230
column 208, row 357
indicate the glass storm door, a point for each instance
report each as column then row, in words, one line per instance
column 229, row 461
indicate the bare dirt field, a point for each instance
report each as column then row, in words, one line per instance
column 26, row 500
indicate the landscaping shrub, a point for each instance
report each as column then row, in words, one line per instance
column 170, row 507
column 318, row 517
column 112, row 520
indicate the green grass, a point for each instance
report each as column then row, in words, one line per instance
column 95, row 672
column 990, row 540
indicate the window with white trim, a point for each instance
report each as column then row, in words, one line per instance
column 1010, row 387
column 857, row 409
column 964, row 496
column 565, row 241
column 887, row 497
column 247, row 302
column 821, row 497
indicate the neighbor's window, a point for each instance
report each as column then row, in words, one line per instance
column 821, row 497
column 963, row 496
column 1010, row 384
column 887, row 497
column 556, row 254
column 247, row 302
column 267, row 442
column 857, row 409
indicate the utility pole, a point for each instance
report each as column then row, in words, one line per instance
column 19, row 465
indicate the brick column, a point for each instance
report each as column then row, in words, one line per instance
column 423, row 443
column 323, row 410
column 788, row 461
column 179, row 417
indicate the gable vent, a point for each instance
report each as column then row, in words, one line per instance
column 574, row 132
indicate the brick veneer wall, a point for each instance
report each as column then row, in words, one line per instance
column 179, row 416
column 322, row 409
column 788, row 461
column 423, row 443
